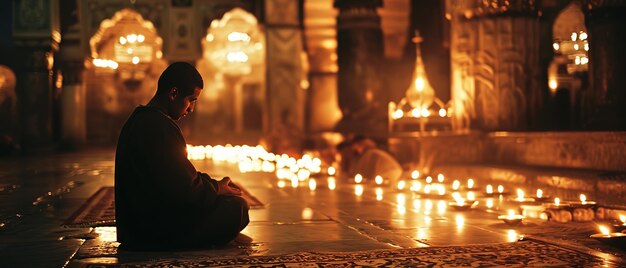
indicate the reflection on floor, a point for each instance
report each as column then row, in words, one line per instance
column 38, row 194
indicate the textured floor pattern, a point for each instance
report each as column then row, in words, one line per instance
column 518, row 254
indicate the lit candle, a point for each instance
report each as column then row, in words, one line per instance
column 583, row 199
column 539, row 193
column 358, row 190
column 332, row 183
column 415, row 174
column 500, row 189
column 312, row 184
column 489, row 189
column 331, row 171
column 427, row 189
column 441, row 189
column 605, row 235
column 401, row 185
column 440, row 177
column 456, row 184
column 470, row 183
column 416, row 186
column 379, row 194
column 378, row 180
column 511, row 218
column 622, row 218
column 281, row 184
column 557, row 201
column 358, row 178
column 429, row 179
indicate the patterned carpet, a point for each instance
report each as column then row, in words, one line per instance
column 99, row 209
column 528, row 253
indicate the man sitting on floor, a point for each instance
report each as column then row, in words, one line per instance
column 161, row 201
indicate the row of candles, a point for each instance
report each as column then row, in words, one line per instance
column 299, row 171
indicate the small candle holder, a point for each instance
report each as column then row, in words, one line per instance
column 511, row 218
column 613, row 239
column 461, row 206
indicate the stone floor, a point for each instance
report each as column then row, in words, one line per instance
column 38, row 193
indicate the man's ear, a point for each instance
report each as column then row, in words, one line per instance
column 173, row 93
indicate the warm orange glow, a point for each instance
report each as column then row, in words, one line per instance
column 358, row 178
column 583, row 199
column 557, row 201
column 470, row 183
column 500, row 189
column 429, row 179
column 622, row 218
column 312, row 184
column 401, row 185
column 456, row 184
column 604, row 230
column 378, row 179
column 440, row 177
column 539, row 193
column 358, row 190
column 415, row 174
column 489, row 189
column 520, row 195
column 331, row 171
column 332, row 183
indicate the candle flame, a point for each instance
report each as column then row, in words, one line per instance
column 500, row 189
column 358, row 178
column 583, row 198
column 557, row 201
column 427, row 189
column 520, row 195
column 312, row 184
column 331, row 171
column 604, row 230
column 489, row 189
column 539, row 193
column 456, row 184
column 401, row 185
column 415, row 174
column 511, row 213
column 622, row 218
column 378, row 179
column 358, row 190
column 332, row 183
column 440, row 177
column 429, row 179
column 470, row 183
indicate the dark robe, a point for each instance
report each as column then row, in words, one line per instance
column 161, row 201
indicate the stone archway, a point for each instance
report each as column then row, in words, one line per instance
column 233, row 69
column 122, row 73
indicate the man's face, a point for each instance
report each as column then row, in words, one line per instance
column 184, row 105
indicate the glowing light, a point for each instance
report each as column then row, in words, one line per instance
column 416, row 186
column 489, row 203
column 281, row 184
column 512, row 236
column 429, row 179
column 575, row 46
column 132, row 38
column 358, row 190
column 441, row 207
column 331, row 171
column 604, row 230
column 401, row 185
column 583, row 199
column 312, row 184
column 415, row 174
column 553, row 84
column 574, row 36
column 428, row 205
column 427, row 189
column 456, row 184
column 102, row 63
column 441, row 189
column 577, row 60
column 419, row 83
column 539, row 193
column 500, row 189
column 471, row 196
column 460, row 220
column 379, row 194
column 416, row 112
column 237, row 56
column 584, row 60
column 238, row 36
column 622, row 218
column 294, row 181
column 135, row 60
column 470, row 183
column 210, row 37
column 106, row 233
column 401, row 199
column 378, row 180
column 307, row 213
column 397, row 114
column 358, row 178
column 332, row 183
column 557, row 201
column 489, row 189
column 122, row 40
column 440, row 177
column 555, row 46
column 586, row 46
column 520, row 195
column 442, row 112
column 417, row 203
column 583, row 36
column 425, row 112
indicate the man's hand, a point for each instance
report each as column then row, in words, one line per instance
column 226, row 187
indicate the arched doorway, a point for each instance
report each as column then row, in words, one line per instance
column 567, row 73
column 233, row 69
column 122, row 73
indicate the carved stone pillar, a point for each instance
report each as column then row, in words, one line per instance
column 362, row 99
column 285, row 97
column 36, row 33
column 605, row 22
column 495, row 64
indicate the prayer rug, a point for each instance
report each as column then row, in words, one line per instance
column 99, row 209
column 528, row 253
